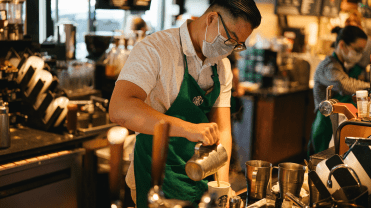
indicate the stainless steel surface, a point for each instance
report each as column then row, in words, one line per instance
column 34, row 181
column 157, row 199
column 4, row 127
column 96, row 129
column 235, row 202
column 66, row 34
column 329, row 181
column 326, row 106
column 206, row 161
column 328, row 92
column 296, row 200
column 360, row 141
column 290, row 178
column 258, row 175
column 317, row 189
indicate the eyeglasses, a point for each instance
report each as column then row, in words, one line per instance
column 358, row 50
column 232, row 42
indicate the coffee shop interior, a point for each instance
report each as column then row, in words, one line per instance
column 60, row 59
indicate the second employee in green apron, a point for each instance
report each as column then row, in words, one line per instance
column 341, row 71
column 182, row 76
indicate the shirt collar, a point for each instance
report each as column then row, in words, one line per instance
column 188, row 48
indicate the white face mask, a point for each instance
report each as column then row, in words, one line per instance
column 351, row 58
column 217, row 47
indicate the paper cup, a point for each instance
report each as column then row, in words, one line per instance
column 221, row 193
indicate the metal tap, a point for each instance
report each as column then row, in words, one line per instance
column 326, row 106
column 329, row 181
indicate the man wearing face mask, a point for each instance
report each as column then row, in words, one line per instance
column 182, row 76
column 337, row 70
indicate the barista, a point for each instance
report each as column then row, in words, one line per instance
column 337, row 70
column 181, row 75
column 139, row 26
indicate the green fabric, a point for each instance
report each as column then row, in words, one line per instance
column 322, row 127
column 176, row 185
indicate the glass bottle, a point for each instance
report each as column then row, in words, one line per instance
column 362, row 103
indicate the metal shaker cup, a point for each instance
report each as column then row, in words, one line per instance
column 206, row 161
column 4, row 127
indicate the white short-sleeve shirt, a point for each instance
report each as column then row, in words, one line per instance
column 156, row 65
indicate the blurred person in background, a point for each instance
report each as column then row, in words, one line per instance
column 139, row 26
column 355, row 19
column 337, row 70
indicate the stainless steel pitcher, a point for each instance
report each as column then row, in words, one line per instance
column 4, row 127
column 206, row 161
column 258, row 174
column 290, row 178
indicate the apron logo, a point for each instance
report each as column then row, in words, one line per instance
column 222, row 201
column 198, row 100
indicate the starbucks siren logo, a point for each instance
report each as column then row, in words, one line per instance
column 222, row 201
column 198, row 100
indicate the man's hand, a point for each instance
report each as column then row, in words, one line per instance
column 207, row 133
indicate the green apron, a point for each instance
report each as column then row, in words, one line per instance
column 192, row 104
column 322, row 127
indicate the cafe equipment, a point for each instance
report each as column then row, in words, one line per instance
column 317, row 190
column 356, row 194
column 116, row 137
column 97, row 43
column 290, row 178
column 65, row 34
column 235, row 202
column 43, row 109
column 332, row 107
column 258, row 175
column 3, row 19
column 160, row 147
column 296, row 200
column 15, row 20
column 136, row 5
column 4, row 127
column 206, row 161
column 341, row 178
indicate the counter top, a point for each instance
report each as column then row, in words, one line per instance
column 28, row 142
column 269, row 92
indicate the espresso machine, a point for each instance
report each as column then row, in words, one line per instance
column 343, row 170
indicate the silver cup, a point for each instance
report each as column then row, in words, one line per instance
column 258, row 174
column 290, row 178
column 4, row 127
column 206, row 161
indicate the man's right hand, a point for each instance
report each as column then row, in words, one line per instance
column 207, row 133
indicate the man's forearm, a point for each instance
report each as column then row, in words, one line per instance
column 136, row 115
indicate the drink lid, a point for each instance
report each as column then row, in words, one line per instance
column 362, row 93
